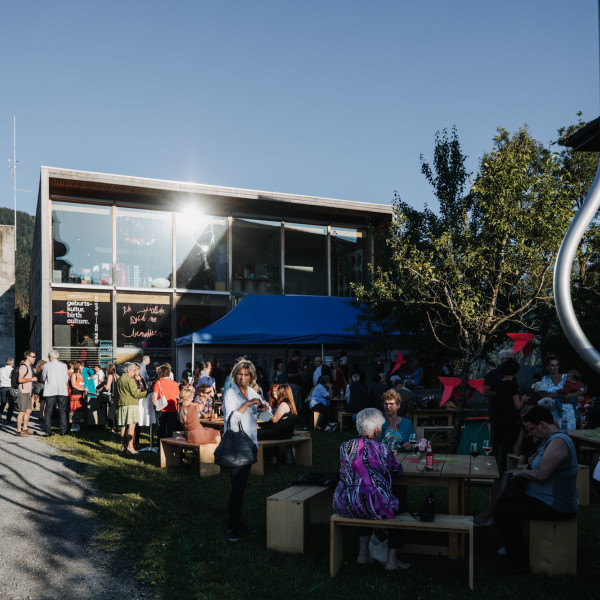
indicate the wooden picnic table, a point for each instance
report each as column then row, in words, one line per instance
column 436, row 416
column 452, row 473
column 584, row 437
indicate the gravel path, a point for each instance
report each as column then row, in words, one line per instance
column 46, row 528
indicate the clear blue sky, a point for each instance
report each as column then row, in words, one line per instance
column 319, row 97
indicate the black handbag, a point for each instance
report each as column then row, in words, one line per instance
column 427, row 512
column 236, row 449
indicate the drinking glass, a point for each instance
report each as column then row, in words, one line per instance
column 413, row 442
column 474, row 452
column 487, row 448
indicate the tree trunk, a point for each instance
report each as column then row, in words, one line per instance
column 460, row 414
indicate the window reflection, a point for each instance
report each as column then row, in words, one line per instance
column 195, row 311
column 256, row 256
column 144, row 248
column 82, row 244
column 201, row 252
column 305, row 259
column 347, row 259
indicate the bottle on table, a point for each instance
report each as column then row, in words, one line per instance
column 429, row 457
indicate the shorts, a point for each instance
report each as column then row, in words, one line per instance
column 127, row 415
column 24, row 402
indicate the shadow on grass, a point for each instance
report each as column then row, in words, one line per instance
column 166, row 528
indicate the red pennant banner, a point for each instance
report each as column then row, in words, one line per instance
column 476, row 384
column 449, row 384
column 399, row 361
column 528, row 349
column 520, row 341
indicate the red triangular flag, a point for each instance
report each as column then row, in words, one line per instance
column 449, row 384
column 520, row 340
column 399, row 361
column 528, row 349
column 477, row 384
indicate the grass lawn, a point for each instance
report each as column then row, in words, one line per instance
column 165, row 530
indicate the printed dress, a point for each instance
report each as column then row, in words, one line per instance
column 365, row 487
column 567, row 420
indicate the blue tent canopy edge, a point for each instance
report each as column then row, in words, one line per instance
column 280, row 320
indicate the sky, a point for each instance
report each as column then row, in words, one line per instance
column 320, row 97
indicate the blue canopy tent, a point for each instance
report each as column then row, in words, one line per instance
column 262, row 320
column 282, row 320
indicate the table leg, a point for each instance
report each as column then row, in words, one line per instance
column 453, row 509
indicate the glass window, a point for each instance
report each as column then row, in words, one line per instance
column 82, row 243
column 82, row 326
column 256, row 256
column 201, row 252
column 143, row 321
column 305, row 259
column 144, row 248
column 195, row 311
column 347, row 259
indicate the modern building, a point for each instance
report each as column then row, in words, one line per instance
column 122, row 266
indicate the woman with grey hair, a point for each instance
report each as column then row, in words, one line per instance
column 365, row 487
column 245, row 407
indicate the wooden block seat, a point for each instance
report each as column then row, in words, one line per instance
column 285, row 515
column 301, row 443
column 342, row 414
column 442, row 523
column 170, row 455
column 553, row 547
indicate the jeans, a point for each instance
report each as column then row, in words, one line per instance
column 326, row 414
column 6, row 398
column 62, row 413
column 239, row 477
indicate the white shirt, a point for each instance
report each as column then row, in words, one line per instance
column 233, row 400
column 55, row 376
column 5, row 372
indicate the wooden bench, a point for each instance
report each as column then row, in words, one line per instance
column 553, row 547
column 442, row 523
column 301, row 443
column 285, row 515
column 170, row 455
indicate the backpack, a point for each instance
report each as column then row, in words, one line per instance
column 14, row 378
column 14, row 391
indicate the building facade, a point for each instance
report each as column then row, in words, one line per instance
column 122, row 266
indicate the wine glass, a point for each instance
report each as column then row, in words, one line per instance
column 474, row 452
column 487, row 448
column 413, row 442
column 583, row 420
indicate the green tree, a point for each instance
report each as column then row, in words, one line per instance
column 484, row 265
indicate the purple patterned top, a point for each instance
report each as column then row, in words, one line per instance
column 365, row 487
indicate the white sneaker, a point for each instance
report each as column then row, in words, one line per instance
column 75, row 428
column 332, row 427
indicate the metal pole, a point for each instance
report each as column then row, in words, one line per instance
column 562, row 272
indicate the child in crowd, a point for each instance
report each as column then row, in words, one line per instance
column 573, row 383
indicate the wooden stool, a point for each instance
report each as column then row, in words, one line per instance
column 553, row 547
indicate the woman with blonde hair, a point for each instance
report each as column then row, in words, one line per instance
column 242, row 407
column 188, row 415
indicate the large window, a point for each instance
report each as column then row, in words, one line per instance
column 201, row 252
column 82, row 325
column 256, row 256
column 195, row 311
column 82, row 244
column 144, row 248
column 347, row 259
column 305, row 259
column 144, row 321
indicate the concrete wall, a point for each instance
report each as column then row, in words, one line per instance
column 7, row 292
